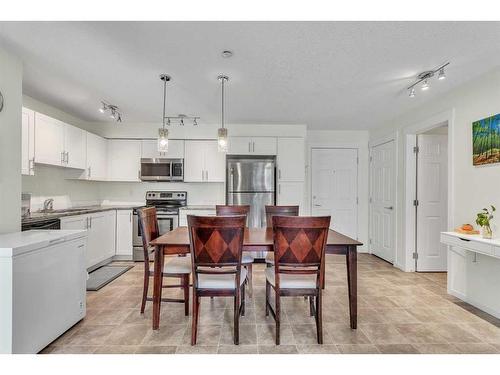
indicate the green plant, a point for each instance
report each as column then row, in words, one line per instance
column 484, row 217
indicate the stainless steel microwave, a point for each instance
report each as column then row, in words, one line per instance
column 161, row 169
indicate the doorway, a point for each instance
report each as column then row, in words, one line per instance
column 334, row 187
column 431, row 199
column 383, row 200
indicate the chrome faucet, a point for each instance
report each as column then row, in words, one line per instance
column 48, row 205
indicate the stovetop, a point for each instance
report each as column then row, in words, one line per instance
column 166, row 201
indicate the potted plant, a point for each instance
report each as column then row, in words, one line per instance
column 483, row 220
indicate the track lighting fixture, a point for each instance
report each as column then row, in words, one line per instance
column 424, row 79
column 113, row 111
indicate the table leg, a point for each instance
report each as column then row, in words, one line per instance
column 157, row 287
column 352, row 284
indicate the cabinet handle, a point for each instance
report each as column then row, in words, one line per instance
column 207, row 175
column 32, row 165
column 279, row 189
column 89, row 172
column 87, row 222
column 90, row 222
column 202, row 175
column 253, row 146
column 139, row 174
column 279, row 174
column 62, row 157
column 249, row 145
column 67, row 157
column 130, row 217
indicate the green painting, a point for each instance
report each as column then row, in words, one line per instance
column 486, row 140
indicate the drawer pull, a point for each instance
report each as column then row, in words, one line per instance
column 464, row 239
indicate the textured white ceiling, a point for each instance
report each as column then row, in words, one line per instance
column 328, row 75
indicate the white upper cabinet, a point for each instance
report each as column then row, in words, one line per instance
column 124, row 158
column 203, row 162
column 252, row 146
column 291, row 161
column 75, row 147
column 57, row 143
column 49, row 140
column 175, row 149
column 28, row 142
column 96, row 158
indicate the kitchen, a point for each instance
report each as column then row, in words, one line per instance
column 186, row 138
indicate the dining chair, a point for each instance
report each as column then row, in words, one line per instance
column 178, row 267
column 277, row 211
column 299, row 261
column 216, row 244
column 246, row 259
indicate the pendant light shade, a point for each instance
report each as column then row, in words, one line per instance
column 163, row 132
column 222, row 140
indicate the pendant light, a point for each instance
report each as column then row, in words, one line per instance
column 163, row 132
column 222, row 141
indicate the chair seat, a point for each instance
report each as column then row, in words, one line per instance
column 288, row 281
column 176, row 265
column 270, row 258
column 207, row 281
column 246, row 258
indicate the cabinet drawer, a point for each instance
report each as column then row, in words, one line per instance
column 468, row 244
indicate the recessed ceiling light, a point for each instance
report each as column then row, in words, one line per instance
column 227, row 54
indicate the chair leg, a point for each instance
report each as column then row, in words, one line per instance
column 278, row 316
column 249, row 279
column 237, row 318
column 243, row 300
column 145, row 290
column 194, row 325
column 319, row 317
column 185, row 283
column 268, row 291
column 311, row 305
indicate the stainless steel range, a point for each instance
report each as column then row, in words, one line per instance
column 167, row 205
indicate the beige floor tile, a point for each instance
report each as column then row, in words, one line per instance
column 197, row 349
column 238, row 349
column 90, row 335
column 436, row 348
column 358, row 349
column 476, row 348
column 383, row 334
column 397, row 349
column 485, row 331
column 278, row 349
column 341, row 333
column 396, row 316
column 247, row 334
column 156, row 350
column 420, row 333
column 116, row 349
column 207, row 335
column 72, row 349
column 128, row 334
column 307, row 334
column 266, row 334
column 454, row 333
column 317, row 349
column 166, row 336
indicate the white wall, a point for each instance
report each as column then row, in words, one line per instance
column 11, row 75
column 344, row 139
column 474, row 187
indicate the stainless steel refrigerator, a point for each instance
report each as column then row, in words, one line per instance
column 251, row 180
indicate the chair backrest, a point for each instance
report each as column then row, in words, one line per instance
column 280, row 211
column 148, row 223
column 221, row 210
column 216, row 244
column 299, row 245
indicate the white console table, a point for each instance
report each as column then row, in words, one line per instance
column 474, row 270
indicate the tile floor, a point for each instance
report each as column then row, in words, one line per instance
column 398, row 313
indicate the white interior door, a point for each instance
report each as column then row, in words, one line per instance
column 383, row 186
column 334, row 188
column 432, row 196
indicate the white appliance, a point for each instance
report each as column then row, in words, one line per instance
column 42, row 287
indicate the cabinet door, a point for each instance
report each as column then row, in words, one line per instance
column 239, row 146
column 457, row 272
column 291, row 162
column 49, row 140
column 124, row 157
column 150, row 149
column 290, row 194
column 101, row 237
column 124, row 233
column 28, row 142
column 215, row 163
column 75, row 145
column 79, row 222
column 264, row 146
column 96, row 157
column 194, row 163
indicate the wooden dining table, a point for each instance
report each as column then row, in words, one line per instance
column 256, row 239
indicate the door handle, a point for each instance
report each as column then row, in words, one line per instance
column 317, row 205
column 389, row 208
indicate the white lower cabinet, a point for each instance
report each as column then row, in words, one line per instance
column 124, row 233
column 290, row 194
column 101, row 229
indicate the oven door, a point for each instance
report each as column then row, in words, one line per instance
column 167, row 222
column 156, row 170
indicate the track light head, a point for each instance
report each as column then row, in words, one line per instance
column 441, row 74
column 411, row 93
column 425, row 85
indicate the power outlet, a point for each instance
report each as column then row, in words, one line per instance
column 81, row 305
